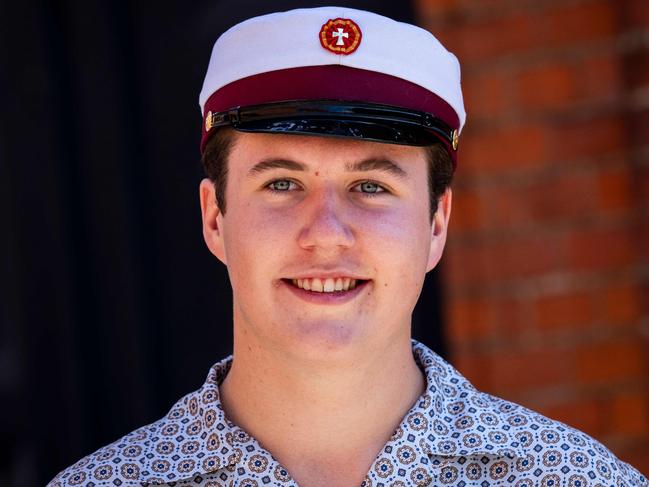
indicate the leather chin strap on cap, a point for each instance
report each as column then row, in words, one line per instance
column 367, row 121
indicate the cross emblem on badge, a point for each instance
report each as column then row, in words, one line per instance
column 340, row 33
column 340, row 36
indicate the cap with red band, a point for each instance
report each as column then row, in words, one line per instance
column 335, row 72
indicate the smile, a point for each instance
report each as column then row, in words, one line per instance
column 328, row 285
column 326, row 291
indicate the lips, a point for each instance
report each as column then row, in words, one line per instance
column 331, row 290
column 326, row 285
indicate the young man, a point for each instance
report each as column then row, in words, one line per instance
column 329, row 139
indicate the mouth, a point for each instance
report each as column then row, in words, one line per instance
column 326, row 285
column 335, row 290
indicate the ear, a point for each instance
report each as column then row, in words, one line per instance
column 439, row 228
column 212, row 220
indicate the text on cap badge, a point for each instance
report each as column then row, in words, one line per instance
column 340, row 36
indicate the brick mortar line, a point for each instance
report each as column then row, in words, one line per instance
column 545, row 396
column 520, row 177
column 623, row 222
column 617, row 104
column 620, row 45
column 554, row 395
column 490, row 12
column 627, row 221
column 490, row 350
column 574, row 111
column 621, row 106
column 559, row 339
column 551, row 284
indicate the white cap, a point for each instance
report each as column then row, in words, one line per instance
column 266, row 59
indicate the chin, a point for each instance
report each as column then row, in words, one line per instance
column 324, row 340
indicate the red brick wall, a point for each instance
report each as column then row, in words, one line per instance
column 547, row 264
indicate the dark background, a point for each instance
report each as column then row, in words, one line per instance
column 112, row 307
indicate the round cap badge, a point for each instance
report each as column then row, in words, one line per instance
column 340, row 36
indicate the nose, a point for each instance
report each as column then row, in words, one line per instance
column 325, row 225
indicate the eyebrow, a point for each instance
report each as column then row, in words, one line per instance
column 268, row 164
column 372, row 164
column 377, row 164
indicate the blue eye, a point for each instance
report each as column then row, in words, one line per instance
column 370, row 188
column 281, row 185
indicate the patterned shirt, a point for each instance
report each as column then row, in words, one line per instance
column 453, row 435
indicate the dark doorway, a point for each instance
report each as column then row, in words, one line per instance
column 112, row 308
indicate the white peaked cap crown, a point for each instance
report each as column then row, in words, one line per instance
column 296, row 39
column 290, row 39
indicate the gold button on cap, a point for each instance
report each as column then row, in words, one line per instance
column 208, row 121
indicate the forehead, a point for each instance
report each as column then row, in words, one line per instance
column 250, row 148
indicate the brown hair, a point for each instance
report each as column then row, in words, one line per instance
column 218, row 148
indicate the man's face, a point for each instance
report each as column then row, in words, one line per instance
column 321, row 213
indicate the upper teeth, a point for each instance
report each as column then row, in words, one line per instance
column 328, row 285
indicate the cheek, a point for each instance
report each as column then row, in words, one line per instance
column 397, row 237
column 399, row 244
column 399, row 231
column 253, row 239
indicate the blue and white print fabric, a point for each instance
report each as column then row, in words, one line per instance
column 454, row 435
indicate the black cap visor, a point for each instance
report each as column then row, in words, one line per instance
column 367, row 121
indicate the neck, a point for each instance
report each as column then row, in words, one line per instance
column 334, row 410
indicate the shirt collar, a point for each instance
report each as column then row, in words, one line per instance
column 199, row 416
column 438, row 423
column 452, row 406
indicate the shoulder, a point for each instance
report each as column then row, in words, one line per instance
column 554, row 452
column 503, row 441
column 193, row 438
column 116, row 461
